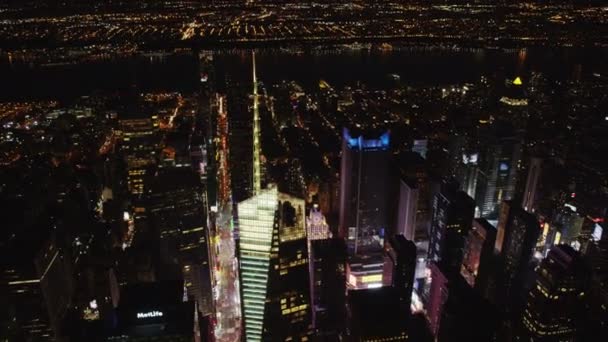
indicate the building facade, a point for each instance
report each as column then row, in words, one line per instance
column 273, row 256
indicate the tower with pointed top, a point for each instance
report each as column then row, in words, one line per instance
column 273, row 264
column 257, row 177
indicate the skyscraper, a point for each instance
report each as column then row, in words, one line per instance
column 316, row 225
column 437, row 297
column 240, row 142
column 516, row 238
column 178, row 216
column 451, row 221
column 364, row 189
column 403, row 257
column 532, row 183
column 139, row 144
column 498, row 164
column 273, row 259
column 38, row 285
column 413, row 169
column 557, row 294
column 478, row 253
column 407, row 209
column 328, row 286
column 156, row 311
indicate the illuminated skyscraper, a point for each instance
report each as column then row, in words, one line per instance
column 478, row 253
column 364, row 199
column 437, row 297
column 317, row 227
column 155, row 311
column 257, row 139
column 498, row 164
column 451, row 221
column 178, row 216
column 516, row 238
column 552, row 303
column 139, row 145
column 273, row 257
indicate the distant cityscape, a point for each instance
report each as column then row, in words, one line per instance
column 228, row 23
column 314, row 171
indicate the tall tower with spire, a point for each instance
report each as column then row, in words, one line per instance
column 257, row 177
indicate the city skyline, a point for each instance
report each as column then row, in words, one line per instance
column 225, row 171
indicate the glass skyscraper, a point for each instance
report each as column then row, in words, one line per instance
column 273, row 259
column 364, row 185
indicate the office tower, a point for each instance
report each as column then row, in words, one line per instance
column 553, row 302
column 407, row 209
column 177, row 215
column 375, row 315
column 38, row 285
column 516, row 237
column 451, row 221
column 532, row 184
column 364, row 190
column 402, row 253
column 156, row 311
column 275, row 293
column 437, row 297
column 513, row 105
column 413, row 168
column 478, row 253
column 206, row 137
column 55, row 271
column 240, row 141
column 139, row 145
column 498, row 164
column 316, row 226
column 328, row 287
column 364, row 185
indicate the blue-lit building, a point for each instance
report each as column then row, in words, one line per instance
column 364, row 202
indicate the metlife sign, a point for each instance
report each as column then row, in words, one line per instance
column 150, row 314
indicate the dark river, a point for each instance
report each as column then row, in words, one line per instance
column 20, row 80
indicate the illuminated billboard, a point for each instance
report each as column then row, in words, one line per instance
column 597, row 232
column 372, row 278
column 470, row 158
column 149, row 314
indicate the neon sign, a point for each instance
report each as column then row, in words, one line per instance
column 150, row 314
column 382, row 143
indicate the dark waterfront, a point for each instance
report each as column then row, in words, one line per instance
column 178, row 72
